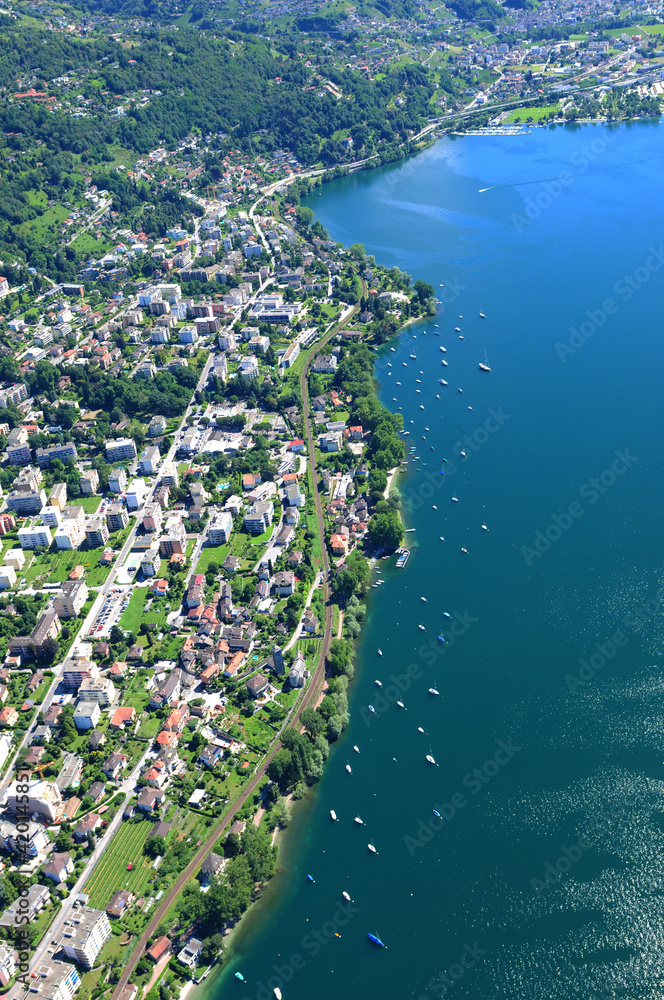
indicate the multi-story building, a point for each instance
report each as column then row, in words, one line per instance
column 15, row 558
column 157, row 425
column 64, row 452
column 58, row 497
column 150, row 460
column 259, row 517
column 101, row 690
column 28, row 842
column 96, row 532
column 12, row 394
column 26, row 500
column 43, row 797
column 89, row 482
column 18, row 450
column 117, row 517
column 136, row 494
column 120, row 449
column 78, row 672
column 32, row 538
column 153, row 517
column 71, row 532
column 55, row 981
column 220, row 527
column 151, row 561
column 85, row 934
column 7, row 577
column 51, row 516
column 7, row 964
column 174, row 538
column 87, row 714
column 169, row 474
column 117, row 481
column 71, row 598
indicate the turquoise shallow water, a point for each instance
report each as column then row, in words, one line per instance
column 544, row 876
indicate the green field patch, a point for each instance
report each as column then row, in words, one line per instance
column 111, row 873
column 533, row 114
column 55, row 567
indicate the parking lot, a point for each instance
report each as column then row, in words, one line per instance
column 110, row 611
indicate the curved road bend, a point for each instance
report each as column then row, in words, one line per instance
column 311, row 694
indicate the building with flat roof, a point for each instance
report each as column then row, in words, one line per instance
column 44, row 799
column 120, row 448
column 85, row 934
column 55, row 980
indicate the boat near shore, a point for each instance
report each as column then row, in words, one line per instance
column 402, row 557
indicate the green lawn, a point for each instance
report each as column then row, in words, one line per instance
column 55, row 567
column 522, row 114
column 89, row 504
column 134, row 615
column 111, row 873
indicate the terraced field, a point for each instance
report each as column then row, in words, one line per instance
column 111, row 873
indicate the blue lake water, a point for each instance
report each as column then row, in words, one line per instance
column 544, row 876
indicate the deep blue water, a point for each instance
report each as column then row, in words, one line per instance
column 549, row 233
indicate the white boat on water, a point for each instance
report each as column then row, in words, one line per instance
column 430, row 759
column 277, row 992
column 401, row 704
column 482, row 316
column 333, row 815
column 445, row 363
column 433, row 691
column 357, row 750
column 457, row 329
column 422, row 627
column 380, row 651
column 360, row 821
column 349, row 768
column 344, row 893
column 484, row 527
column 484, row 366
column 372, row 848
column 378, row 684
column 423, row 598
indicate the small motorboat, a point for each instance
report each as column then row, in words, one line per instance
column 414, row 357
column 376, row 940
column 371, row 708
column 346, row 896
column 277, row 993
column 455, row 499
column 424, row 598
column 433, row 691
column 464, row 550
column 392, row 349
column 482, row 316
column 310, row 878
column 356, row 749
column 447, row 614
column 436, row 813
column 441, row 638
column 442, row 538
column 459, row 390
column 457, row 329
column 484, row 527
column 349, row 768
column 442, row 381
column 238, row 975
column 372, row 848
column 430, row 759
column 435, row 508
column 359, row 821
column 333, row 815
column 419, row 729
column 422, row 627
column 401, row 704
column 442, row 349
column 380, row 652
column 378, row 684
column 444, row 362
